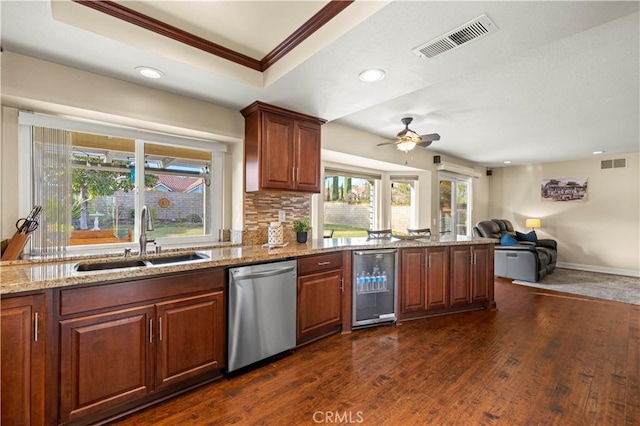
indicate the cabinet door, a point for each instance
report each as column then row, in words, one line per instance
column 412, row 287
column 191, row 336
column 105, row 361
column 22, row 361
column 319, row 304
column 460, row 275
column 437, row 278
column 482, row 277
column 306, row 137
column 277, row 154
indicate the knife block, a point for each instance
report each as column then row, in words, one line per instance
column 15, row 247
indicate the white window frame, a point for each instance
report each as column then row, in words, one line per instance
column 216, row 206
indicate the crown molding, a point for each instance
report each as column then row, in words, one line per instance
column 324, row 15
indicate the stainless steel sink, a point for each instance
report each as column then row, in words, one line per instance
column 178, row 258
column 117, row 264
column 132, row 263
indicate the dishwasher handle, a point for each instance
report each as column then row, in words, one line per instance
column 262, row 274
column 368, row 252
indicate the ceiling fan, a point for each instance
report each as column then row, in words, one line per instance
column 407, row 139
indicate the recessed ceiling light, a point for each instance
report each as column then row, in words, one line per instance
column 372, row 75
column 150, row 72
column 507, row 162
column 598, row 152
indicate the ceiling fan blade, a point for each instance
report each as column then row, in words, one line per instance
column 424, row 144
column 386, row 143
column 430, row 137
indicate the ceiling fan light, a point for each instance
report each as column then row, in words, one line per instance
column 406, row 145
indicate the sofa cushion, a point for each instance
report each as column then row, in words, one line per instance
column 508, row 240
column 530, row 236
column 505, row 226
column 489, row 229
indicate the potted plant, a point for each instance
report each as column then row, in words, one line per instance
column 302, row 227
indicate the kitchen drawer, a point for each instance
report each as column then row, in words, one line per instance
column 103, row 296
column 319, row 263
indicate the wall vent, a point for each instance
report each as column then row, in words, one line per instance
column 473, row 30
column 615, row 163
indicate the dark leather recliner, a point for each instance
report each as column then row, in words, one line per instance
column 526, row 261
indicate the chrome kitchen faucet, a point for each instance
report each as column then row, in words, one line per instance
column 146, row 224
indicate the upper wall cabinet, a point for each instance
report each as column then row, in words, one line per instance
column 281, row 149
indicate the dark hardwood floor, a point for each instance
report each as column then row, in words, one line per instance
column 543, row 358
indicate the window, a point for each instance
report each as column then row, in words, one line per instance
column 454, row 208
column 93, row 185
column 349, row 203
column 403, row 203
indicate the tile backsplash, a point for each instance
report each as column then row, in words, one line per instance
column 261, row 208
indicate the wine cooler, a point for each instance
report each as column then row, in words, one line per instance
column 374, row 287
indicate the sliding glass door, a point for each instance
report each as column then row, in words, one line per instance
column 454, row 210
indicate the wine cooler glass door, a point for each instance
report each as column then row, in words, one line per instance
column 374, row 287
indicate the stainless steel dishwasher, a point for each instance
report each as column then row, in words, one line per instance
column 262, row 312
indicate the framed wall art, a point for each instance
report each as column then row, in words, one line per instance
column 570, row 189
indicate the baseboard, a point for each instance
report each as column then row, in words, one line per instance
column 602, row 269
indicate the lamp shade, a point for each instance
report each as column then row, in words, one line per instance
column 532, row 223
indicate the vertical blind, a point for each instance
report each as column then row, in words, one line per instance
column 51, row 180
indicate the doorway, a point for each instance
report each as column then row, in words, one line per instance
column 454, row 207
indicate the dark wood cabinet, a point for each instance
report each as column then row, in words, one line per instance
column 113, row 358
column 106, row 360
column 437, row 280
column 460, row 275
column 412, row 286
column 424, row 284
column 482, row 274
column 282, row 149
column 191, row 337
column 320, row 289
column 472, row 274
column 22, row 361
column 306, row 138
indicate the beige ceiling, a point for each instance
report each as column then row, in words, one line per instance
column 253, row 28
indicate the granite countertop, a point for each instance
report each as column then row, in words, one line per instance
column 25, row 276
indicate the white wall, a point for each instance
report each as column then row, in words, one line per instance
column 601, row 233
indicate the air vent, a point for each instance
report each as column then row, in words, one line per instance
column 616, row 163
column 473, row 30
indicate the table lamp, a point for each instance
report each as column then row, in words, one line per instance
column 532, row 223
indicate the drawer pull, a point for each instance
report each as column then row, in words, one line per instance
column 323, row 263
column 150, row 330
